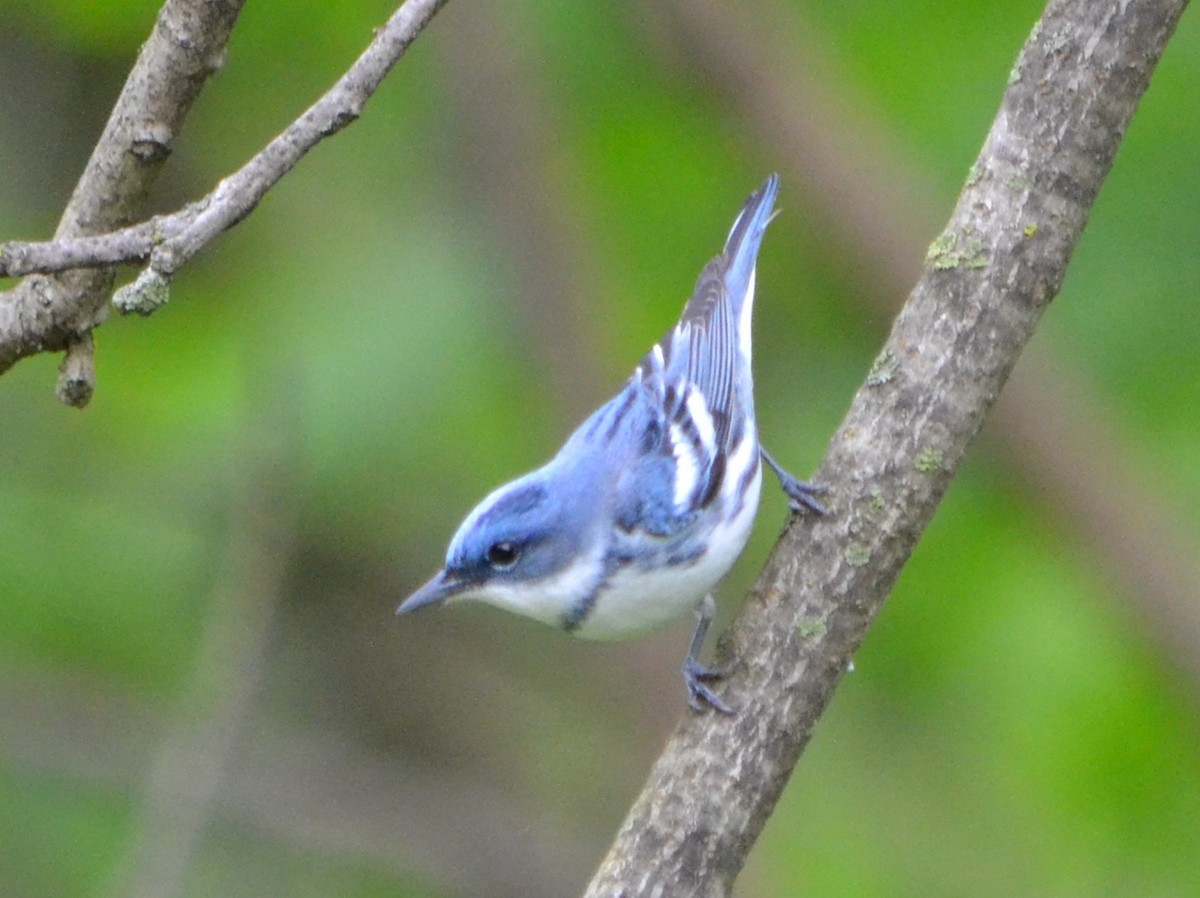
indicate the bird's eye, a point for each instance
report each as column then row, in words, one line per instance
column 502, row 554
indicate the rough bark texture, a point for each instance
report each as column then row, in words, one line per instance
column 53, row 313
column 1053, row 430
column 987, row 279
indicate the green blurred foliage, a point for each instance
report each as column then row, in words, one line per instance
column 1011, row 726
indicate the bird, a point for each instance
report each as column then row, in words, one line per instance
column 651, row 500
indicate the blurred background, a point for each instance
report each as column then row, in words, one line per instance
column 203, row 690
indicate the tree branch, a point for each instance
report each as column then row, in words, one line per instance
column 47, row 314
column 987, row 279
column 29, row 324
column 877, row 204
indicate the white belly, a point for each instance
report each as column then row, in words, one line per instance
column 636, row 601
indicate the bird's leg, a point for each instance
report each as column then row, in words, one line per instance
column 695, row 674
column 801, row 495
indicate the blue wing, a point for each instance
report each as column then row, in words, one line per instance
column 690, row 401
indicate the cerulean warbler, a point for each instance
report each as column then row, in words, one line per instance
column 652, row 499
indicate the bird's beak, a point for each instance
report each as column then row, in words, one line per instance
column 441, row 587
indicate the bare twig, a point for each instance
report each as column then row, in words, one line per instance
column 169, row 241
column 77, row 373
column 987, row 279
column 48, row 314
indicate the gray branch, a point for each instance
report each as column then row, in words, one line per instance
column 38, row 317
column 987, row 280
column 52, row 313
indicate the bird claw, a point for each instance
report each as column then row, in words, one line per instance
column 801, row 494
column 696, row 676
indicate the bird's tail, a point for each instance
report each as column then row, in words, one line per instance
column 745, row 237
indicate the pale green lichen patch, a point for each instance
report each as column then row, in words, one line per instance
column 147, row 294
column 883, row 369
column 929, row 461
column 974, row 256
column 811, row 628
column 945, row 252
column 876, row 505
column 1031, row 229
column 857, row 554
column 941, row 249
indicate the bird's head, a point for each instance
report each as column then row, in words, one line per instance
column 522, row 548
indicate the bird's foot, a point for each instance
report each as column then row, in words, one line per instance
column 801, row 494
column 697, row 677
